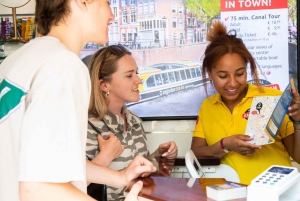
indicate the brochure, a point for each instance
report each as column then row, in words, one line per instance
column 266, row 116
column 226, row 191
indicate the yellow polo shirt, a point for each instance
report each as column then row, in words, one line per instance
column 215, row 121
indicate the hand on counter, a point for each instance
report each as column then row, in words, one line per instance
column 148, row 185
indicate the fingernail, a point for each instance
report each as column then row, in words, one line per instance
column 165, row 167
column 164, row 155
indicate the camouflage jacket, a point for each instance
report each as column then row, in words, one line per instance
column 134, row 142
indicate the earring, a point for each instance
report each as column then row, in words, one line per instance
column 107, row 93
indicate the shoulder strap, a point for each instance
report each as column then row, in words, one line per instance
column 94, row 127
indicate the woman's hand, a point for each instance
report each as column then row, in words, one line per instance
column 294, row 109
column 110, row 148
column 239, row 144
column 168, row 150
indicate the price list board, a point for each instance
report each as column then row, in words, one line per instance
column 263, row 26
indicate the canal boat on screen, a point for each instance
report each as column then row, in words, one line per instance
column 163, row 79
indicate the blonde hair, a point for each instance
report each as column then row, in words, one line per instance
column 101, row 67
column 221, row 43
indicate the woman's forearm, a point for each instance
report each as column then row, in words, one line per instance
column 201, row 149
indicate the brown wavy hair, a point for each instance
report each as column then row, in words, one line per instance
column 221, row 43
column 49, row 13
column 101, row 66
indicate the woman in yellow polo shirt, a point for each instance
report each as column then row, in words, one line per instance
column 222, row 117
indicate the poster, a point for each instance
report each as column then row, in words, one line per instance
column 262, row 24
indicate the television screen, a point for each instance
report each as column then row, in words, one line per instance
column 168, row 40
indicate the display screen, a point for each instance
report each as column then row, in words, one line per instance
column 280, row 170
column 168, row 39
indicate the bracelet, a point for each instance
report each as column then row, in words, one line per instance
column 226, row 150
column 221, row 142
column 294, row 122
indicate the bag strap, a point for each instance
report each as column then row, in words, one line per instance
column 94, row 127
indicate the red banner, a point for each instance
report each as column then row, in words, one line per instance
column 240, row 5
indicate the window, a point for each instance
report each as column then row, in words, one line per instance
column 198, row 72
column 189, row 21
column 124, row 3
column 129, row 36
column 193, row 72
column 177, row 76
column 175, row 38
column 143, row 25
column 181, row 38
column 151, row 6
column 132, row 2
column 190, row 35
column 180, row 9
column 114, row 1
column 180, row 22
column 158, row 79
column 146, row 9
column 150, row 81
column 165, row 78
column 132, row 15
column 115, row 11
column 182, row 73
column 124, row 16
column 174, row 8
column 123, row 37
column 140, row 8
column 171, row 76
column 164, row 21
column 188, row 73
column 156, row 36
column 174, row 20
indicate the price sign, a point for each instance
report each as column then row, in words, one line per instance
column 263, row 26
